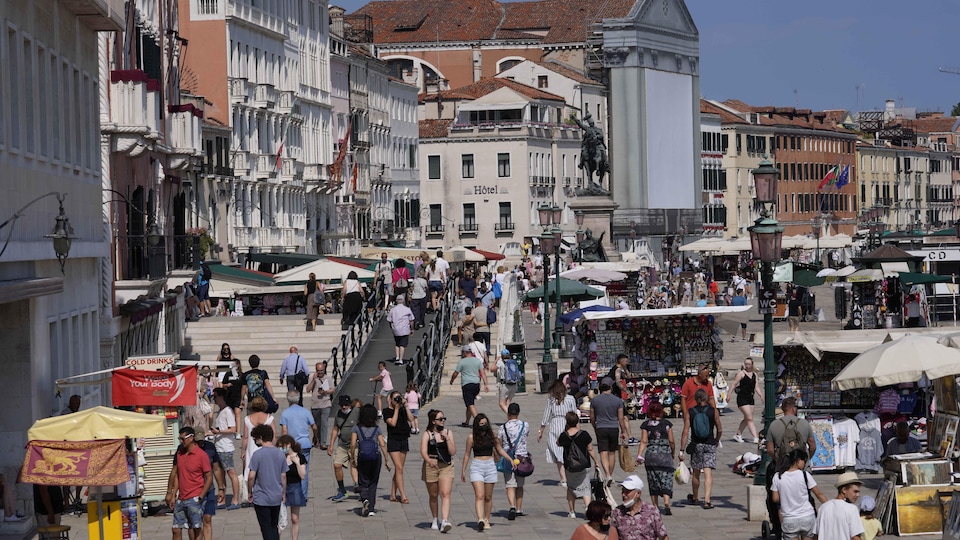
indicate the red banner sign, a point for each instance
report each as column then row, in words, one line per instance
column 75, row 463
column 132, row 387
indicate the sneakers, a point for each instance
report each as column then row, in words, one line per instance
column 341, row 495
column 379, row 414
column 512, row 514
column 233, row 507
column 633, row 440
column 445, row 526
column 13, row 518
column 480, row 525
column 238, row 437
column 756, row 440
column 435, row 524
column 572, row 515
column 563, row 483
column 738, row 438
column 520, row 513
column 398, row 362
column 365, row 512
column 372, row 513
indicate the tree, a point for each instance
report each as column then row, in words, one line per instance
column 955, row 111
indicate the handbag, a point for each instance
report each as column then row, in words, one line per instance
column 525, row 467
column 505, row 465
column 300, row 378
column 627, row 462
column 597, row 489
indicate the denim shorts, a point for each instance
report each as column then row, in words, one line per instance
column 801, row 527
column 187, row 514
column 483, row 470
column 210, row 502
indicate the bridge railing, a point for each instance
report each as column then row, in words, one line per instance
column 355, row 339
column 428, row 360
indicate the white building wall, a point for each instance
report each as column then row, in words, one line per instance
column 405, row 173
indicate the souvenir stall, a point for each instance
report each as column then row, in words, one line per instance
column 664, row 346
column 877, row 297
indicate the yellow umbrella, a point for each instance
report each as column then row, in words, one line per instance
column 97, row 423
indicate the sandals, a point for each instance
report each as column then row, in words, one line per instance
column 404, row 501
column 691, row 500
column 707, row 505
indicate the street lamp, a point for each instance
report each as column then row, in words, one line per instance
column 766, row 239
column 817, row 229
column 62, row 233
column 546, row 246
column 580, row 235
column 557, row 244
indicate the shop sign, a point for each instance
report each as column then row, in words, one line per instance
column 150, row 362
column 132, row 387
column 937, row 255
column 767, row 303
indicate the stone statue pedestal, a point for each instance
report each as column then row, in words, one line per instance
column 598, row 217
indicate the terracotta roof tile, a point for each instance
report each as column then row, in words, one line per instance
column 489, row 85
column 563, row 21
column 790, row 116
column 726, row 117
column 939, row 124
column 435, row 129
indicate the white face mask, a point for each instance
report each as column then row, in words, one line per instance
column 630, row 502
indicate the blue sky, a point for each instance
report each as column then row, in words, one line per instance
column 824, row 54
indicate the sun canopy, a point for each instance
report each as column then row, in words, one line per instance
column 325, row 269
column 572, row 316
column 97, row 423
column 489, row 255
column 866, row 274
column 594, row 274
column 669, row 312
column 884, row 364
column 915, row 278
column 569, row 290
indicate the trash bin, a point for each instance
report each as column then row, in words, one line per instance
column 518, row 351
column 548, row 374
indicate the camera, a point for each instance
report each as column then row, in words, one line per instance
column 398, row 399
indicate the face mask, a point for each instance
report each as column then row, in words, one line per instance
column 629, row 503
column 286, row 449
column 347, row 411
column 604, row 528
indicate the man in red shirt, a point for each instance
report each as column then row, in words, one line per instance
column 189, row 482
column 689, row 388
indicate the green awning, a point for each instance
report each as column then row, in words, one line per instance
column 286, row 259
column 806, row 278
column 916, row 278
column 252, row 276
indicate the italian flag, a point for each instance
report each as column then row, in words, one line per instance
column 829, row 178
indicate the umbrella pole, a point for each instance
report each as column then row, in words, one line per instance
column 99, row 495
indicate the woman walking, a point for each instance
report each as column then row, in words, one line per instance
column 352, row 299
column 793, row 490
column 256, row 416
column 656, row 452
column 367, row 447
column 437, row 448
column 597, row 526
column 435, row 281
column 745, row 386
column 296, row 471
column 311, row 287
column 485, row 446
column 578, row 477
column 232, row 380
column 559, row 403
column 401, row 278
column 398, row 418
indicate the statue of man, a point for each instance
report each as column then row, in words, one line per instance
column 593, row 153
column 591, row 249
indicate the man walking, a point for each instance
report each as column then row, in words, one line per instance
column 291, row 368
column 267, row 483
column 471, row 372
column 299, row 424
column 482, row 329
column 507, row 372
column 513, row 438
column 839, row 518
column 190, row 479
column 339, row 446
column 610, row 426
column 322, row 387
column 401, row 320
column 384, row 272
column 224, row 436
column 700, row 381
column 787, row 433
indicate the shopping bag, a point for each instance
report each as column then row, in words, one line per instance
column 244, row 495
column 282, row 524
column 627, row 460
column 682, row 474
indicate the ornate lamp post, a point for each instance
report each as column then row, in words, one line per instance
column 817, row 229
column 766, row 237
column 580, row 235
column 557, row 214
column 546, row 248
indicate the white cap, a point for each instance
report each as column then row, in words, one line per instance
column 633, row 482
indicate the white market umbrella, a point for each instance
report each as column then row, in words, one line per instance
column 826, row 272
column 902, row 360
column 325, row 269
column 594, row 274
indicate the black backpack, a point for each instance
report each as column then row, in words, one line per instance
column 575, row 459
column 205, row 272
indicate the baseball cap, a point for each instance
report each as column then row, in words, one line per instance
column 632, row 482
column 867, row 503
column 345, row 400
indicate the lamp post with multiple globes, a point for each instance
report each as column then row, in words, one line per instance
column 550, row 241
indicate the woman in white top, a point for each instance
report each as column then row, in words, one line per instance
column 792, row 489
column 256, row 415
column 435, row 281
column 554, row 415
column 352, row 299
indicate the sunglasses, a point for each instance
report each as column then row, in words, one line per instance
column 185, row 437
column 439, row 419
column 605, row 516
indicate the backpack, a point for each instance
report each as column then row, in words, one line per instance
column 497, row 289
column 790, row 440
column 369, row 450
column 491, row 316
column 575, row 459
column 402, row 282
column 700, row 424
column 205, row 272
column 511, row 371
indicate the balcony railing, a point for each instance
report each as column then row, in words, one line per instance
column 469, row 228
column 135, row 100
column 239, row 90
column 504, row 226
column 185, row 123
column 286, row 101
column 434, row 229
column 252, row 15
column 265, row 96
column 543, row 181
column 268, row 237
column 266, row 166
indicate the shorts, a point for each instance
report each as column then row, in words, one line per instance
column 385, row 392
column 704, row 456
column 226, row 460
column 415, row 413
column 295, row 495
column 401, row 341
column 203, row 291
column 745, row 400
column 511, row 480
column 435, row 286
column 578, row 482
column 431, row 475
column 341, row 456
column 187, row 514
column 398, row 445
column 608, row 439
column 210, row 502
column 798, row 527
column 507, row 391
column 470, row 393
column 483, row 470
column 743, row 325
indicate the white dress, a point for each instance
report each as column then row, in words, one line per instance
column 251, row 447
column 554, row 416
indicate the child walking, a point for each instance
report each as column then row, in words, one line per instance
column 872, row 527
column 386, row 385
column 413, row 403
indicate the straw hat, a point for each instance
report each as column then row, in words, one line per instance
column 848, row 478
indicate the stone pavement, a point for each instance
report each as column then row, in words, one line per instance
column 544, row 501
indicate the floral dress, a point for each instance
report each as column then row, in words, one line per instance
column 658, row 458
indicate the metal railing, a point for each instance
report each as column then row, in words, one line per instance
column 428, row 360
column 356, row 338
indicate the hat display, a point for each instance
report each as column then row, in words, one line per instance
column 867, row 503
column 848, row 478
column 344, row 400
column 632, row 482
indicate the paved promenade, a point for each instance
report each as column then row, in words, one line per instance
column 544, row 502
